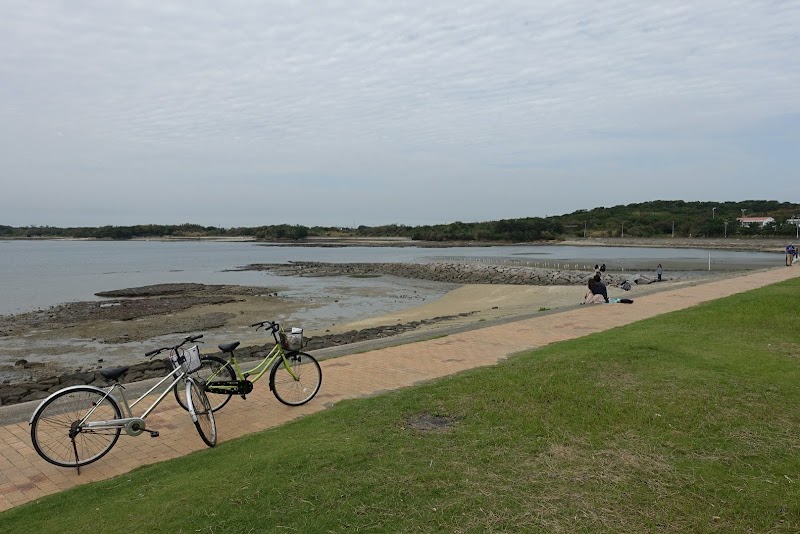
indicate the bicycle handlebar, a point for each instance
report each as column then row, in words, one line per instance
column 267, row 325
column 176, row 347
column 272, row 326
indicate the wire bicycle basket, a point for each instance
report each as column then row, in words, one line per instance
column 291, row 340
column 186, row 360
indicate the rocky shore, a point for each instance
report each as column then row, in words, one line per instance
column 454, row 273
column 42, row 387
column 129, row 305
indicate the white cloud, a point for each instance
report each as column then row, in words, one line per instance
column 464, row 110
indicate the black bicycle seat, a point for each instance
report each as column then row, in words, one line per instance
column 228, row 347
column 114, row 373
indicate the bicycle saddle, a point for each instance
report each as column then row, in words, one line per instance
column 228, row 347
column 114, row 373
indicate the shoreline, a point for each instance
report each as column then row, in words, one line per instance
column 465, row 307
column 84, row 336
column 744, row 244
column 77, row 339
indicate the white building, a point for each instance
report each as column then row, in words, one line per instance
column 760, row 221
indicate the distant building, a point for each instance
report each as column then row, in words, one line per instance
column 760, row 221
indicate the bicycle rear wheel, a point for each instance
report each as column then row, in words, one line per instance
column 202, row 414
column 295, row 380
column 211, row 368
column 57, row 435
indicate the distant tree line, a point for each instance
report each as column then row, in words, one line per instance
column 661, row 218
column 665, row 218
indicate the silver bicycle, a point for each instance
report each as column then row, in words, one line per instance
column 78, row 425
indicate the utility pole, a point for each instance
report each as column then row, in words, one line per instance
column 584, row 229
column 673, row 229
column 623, row 229
column 726, row 228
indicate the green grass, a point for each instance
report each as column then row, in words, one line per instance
column 687, row 422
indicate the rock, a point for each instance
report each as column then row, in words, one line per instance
column 65, row 383
column 11, row 394
column 34, row 395
column 49, row 381
column 77, row 378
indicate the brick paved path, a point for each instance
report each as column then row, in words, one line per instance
column 24, row 476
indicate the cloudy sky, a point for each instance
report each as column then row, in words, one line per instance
column 243, row 113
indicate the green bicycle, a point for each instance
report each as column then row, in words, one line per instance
column 294, row 377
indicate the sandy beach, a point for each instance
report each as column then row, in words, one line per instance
column 473, row 304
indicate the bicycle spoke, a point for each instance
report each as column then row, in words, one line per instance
column 297, row 379
column 55, row 433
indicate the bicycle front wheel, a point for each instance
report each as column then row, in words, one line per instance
column 202, row 414
column 58, row 435
column 211, row 368
column 296, row 379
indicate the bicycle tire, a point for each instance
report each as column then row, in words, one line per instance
column 295, row 391
column 202, row 414
column 209, row 366
column 53, row 420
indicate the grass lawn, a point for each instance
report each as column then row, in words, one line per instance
column 687, row 422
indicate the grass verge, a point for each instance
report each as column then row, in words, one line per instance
column 682, row 423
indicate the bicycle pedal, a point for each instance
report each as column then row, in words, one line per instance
column 153, row 433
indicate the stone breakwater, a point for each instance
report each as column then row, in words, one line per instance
column 455, row 273
column 41, row 388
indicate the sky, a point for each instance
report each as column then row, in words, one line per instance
column 248, row 113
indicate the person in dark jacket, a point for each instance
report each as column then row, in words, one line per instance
column 597, row 287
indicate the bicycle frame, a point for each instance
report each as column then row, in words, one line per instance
column 68, row 413
column 121, row 423
column 259, row 370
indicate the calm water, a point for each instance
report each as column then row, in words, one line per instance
column 38, row 274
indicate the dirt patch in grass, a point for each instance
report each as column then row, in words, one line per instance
column 427, row 422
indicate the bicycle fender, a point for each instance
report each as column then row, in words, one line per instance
column 190, row 400
column 70, row 388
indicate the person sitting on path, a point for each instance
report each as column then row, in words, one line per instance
column 597, row 287
column 590, row 297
